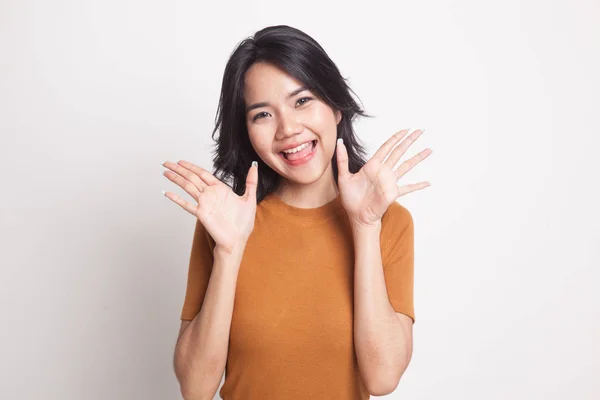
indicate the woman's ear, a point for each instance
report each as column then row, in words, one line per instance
column 338, row 117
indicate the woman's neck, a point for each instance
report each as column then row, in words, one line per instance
column 311, row 195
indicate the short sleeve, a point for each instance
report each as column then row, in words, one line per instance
column 200, row 268
column 397, row 253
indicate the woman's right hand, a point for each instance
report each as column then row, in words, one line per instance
column 228, row 218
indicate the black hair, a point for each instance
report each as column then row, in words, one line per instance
column 302, row 57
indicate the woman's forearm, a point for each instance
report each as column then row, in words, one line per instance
column 378, row 339
column 201, row 352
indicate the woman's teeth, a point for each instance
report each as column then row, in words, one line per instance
column 297, row 149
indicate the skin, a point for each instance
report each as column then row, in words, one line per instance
column 288, row 120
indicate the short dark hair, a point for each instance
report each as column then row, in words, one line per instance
column 302, row 57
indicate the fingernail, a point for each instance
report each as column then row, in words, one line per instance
column 254, row 163
column 162, row 163
column 163, row 192
column 340, row 140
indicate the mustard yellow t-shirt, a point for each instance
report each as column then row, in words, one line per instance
column 292, row 326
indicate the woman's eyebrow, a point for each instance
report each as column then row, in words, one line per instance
column 265, row 104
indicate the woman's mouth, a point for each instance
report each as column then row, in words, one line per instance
column 302, row 156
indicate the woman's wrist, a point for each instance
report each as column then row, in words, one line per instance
column 236, row 249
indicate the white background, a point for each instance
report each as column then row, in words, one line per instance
column 95, row 94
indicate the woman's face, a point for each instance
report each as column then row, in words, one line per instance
column 280, row 115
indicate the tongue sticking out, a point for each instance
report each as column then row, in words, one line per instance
column 302, row 153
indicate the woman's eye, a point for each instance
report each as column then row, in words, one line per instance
column 304, row 102
column 300, row 102
column 259, row 115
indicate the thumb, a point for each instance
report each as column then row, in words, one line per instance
column 252, row 181
column 342, row 158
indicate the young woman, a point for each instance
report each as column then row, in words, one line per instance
column 300, row 281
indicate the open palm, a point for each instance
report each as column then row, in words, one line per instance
column 367, row 194
column 228, row 218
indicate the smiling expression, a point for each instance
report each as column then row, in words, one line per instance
column 282, row 113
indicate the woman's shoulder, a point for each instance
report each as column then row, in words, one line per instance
column 396, row 214
column 396, row 223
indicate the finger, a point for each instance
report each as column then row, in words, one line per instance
column 388, row 145
column 205, row 175
column 187, row 206
column 402, row 190
column 252, row 181
column 187, row 174
column 183, row 183
column 402, row 147
column 342, row 158
column 411, row 163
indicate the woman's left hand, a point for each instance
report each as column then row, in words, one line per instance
column 367, row 194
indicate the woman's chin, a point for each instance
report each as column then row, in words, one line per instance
column 304, row 176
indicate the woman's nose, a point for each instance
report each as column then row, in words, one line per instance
column 289, row 125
